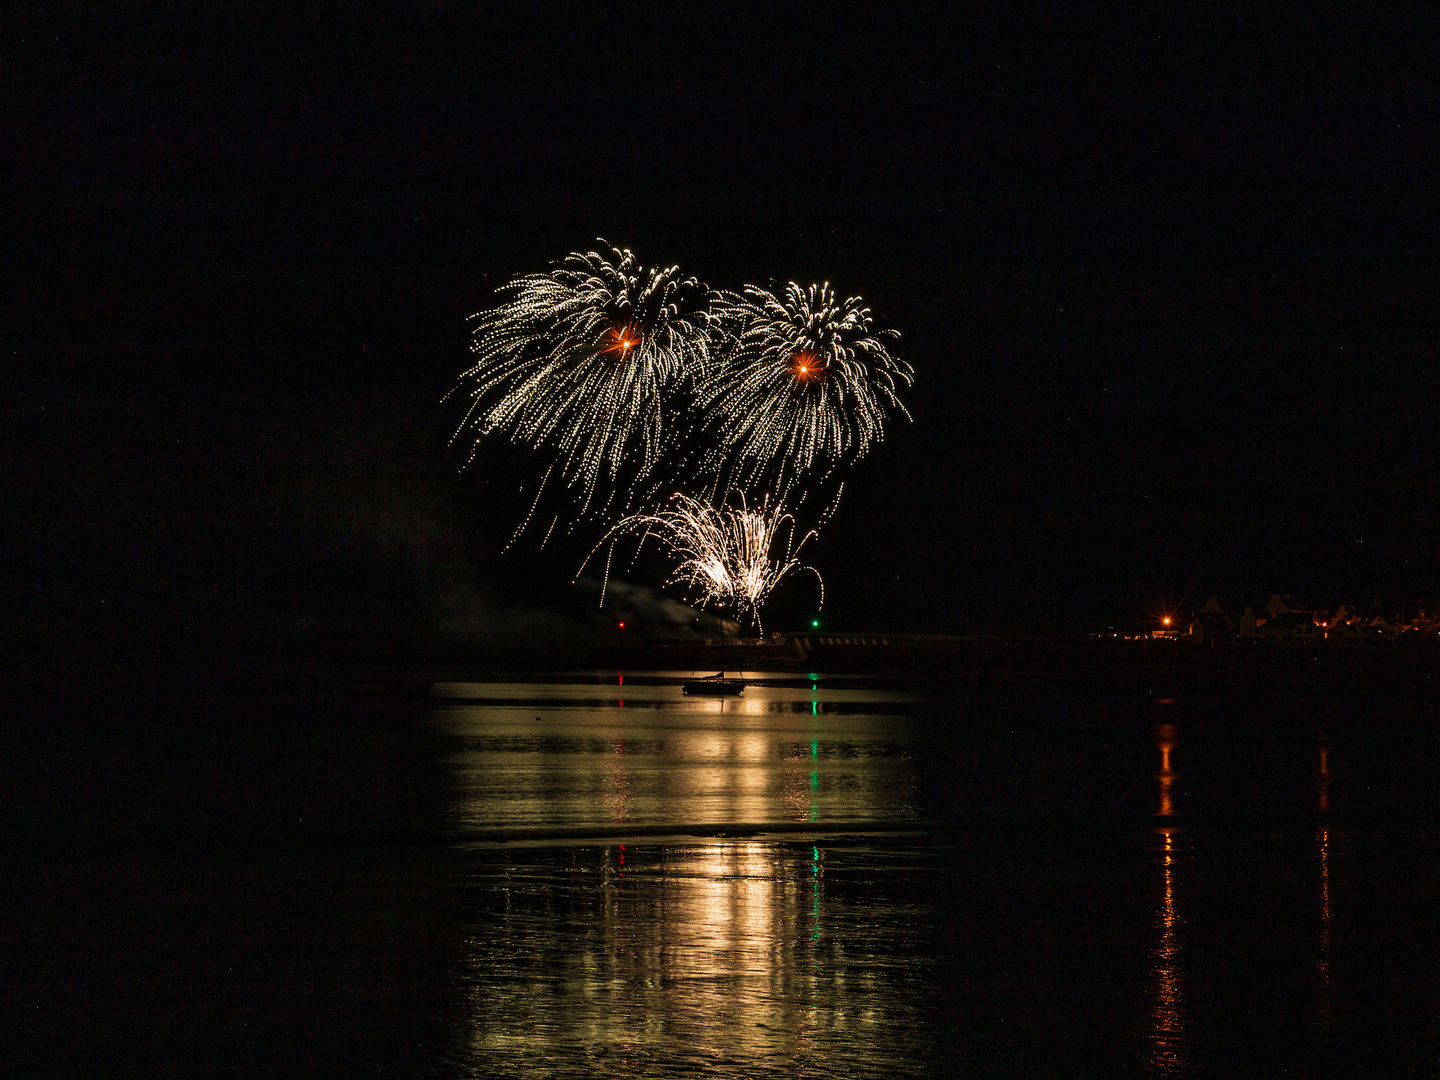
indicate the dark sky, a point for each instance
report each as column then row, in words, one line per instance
column 1167, row 273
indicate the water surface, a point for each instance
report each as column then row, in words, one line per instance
column 825, row 878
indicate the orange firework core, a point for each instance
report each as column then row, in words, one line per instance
column 622, row 340
column 805, row 367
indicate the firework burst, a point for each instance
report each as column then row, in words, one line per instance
column 808, row 383
column 731, row 558
column 578, row 360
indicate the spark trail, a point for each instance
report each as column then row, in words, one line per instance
column 579, row 360
column 807, row 384
column 727, row 557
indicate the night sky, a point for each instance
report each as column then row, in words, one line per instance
column 1167, row 276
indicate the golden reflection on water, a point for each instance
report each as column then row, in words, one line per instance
column 718, row 957
column 1325, row 1005
column 1323, row 779
column 1165, row 735
column 1167, row 1056
column 617, row 785
column 1167, row 1013
column 653, row 767
column 1325, row 1009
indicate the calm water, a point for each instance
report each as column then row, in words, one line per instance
column 820, row 879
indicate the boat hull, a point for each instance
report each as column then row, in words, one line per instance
column 713, row 687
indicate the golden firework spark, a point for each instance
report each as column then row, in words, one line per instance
column 807, row 383
column 728, row 557
column 546, row 374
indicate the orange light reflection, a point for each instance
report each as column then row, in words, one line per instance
column 1325, row 1006
column 1167, row 1014
column 1165, row 742
column 1167, row 1056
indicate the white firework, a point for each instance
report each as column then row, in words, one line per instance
column 579, row 359
column 807, row 384
column 726, row 557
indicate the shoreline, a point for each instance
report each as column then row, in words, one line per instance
column 1399, row 672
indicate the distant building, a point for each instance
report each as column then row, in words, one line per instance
column 1277, row 606
column 1211, row 624
column 1287, row 619
column 1248, row 626
column 1379, row 626
column 1343, row 626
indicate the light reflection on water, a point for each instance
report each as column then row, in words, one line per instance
column 813, row 881
column 727, row 957
column 557, row 765
column 1168, row 1054
column 617, row 929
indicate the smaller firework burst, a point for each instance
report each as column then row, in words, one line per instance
column 808, row 384
column 731, row 558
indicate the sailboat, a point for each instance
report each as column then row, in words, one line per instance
column 716, row 685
